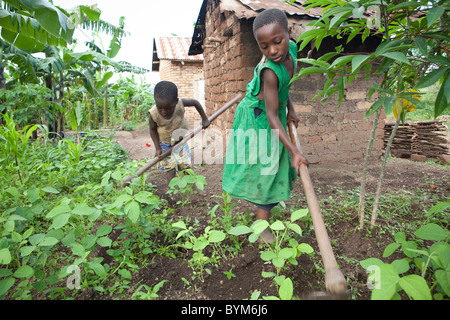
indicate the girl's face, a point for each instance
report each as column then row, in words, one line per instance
column 166, row 107
column 273, row 41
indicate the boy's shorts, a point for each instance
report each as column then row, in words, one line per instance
column 180, row 157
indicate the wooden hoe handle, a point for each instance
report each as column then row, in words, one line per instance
column 187, row 137
column 334, row 280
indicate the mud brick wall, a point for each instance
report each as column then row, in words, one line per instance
column 230, row 55
column 327, row 133
column 184, row 74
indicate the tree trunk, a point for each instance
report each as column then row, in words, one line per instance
column 105, row 112
column 96, row 123
column 51, row 124
column 59, row 114
column 380, row 179
column 362, row 189
column 88, row 107
column 2, row 83
column 2, row 76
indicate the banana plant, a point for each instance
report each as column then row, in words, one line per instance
column 61, row 66
column 28, row 27
column 106, row 71
column 32, row 25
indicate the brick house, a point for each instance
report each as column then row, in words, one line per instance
column 171, row 60
column 223, row 34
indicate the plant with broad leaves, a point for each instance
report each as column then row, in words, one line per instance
column 279, row 253
column 132, row 202
column 151, row 292
column 430, row 261
column 412, row 55
column 210, row 237
column 185, row 184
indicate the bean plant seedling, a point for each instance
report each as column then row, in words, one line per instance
column 279, row 253
column 209, row 237
column 152, row 293
column 387, row 279
column 185, row 183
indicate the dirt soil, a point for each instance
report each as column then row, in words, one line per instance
column 350, row 244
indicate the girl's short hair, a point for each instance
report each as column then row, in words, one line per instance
column 166, row 90
column 269, row 16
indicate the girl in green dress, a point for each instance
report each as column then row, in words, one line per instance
column 261, row 162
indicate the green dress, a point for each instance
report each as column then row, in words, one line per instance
column 257, row 166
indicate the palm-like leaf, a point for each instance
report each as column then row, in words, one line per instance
column 30, row 25
column 128, row 67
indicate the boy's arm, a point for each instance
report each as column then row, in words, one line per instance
column 195, row 103
column 154, row 135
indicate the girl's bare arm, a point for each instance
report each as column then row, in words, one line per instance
column 271, row 102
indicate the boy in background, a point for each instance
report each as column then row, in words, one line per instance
column 168, row 126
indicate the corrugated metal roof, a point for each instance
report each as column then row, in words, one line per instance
column 250, row 8
column 246, row 9
column 174, row 48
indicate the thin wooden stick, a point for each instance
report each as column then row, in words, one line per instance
column 187, row 137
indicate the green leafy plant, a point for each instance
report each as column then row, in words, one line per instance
column 27, row 103
column 228, row 205
column 209, row 237
column 152, row 293
column 184, row 183
column 46, row 231
column 424, row 270
column 282, row 251
column 229, row 273
column 410, row 54
column 14, row 143
column 439, row 212
column 226, row 219
column 24, row 248
column 75, row 118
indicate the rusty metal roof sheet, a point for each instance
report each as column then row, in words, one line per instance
column 250, row 8
column 246, row 9
column 174, row 48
